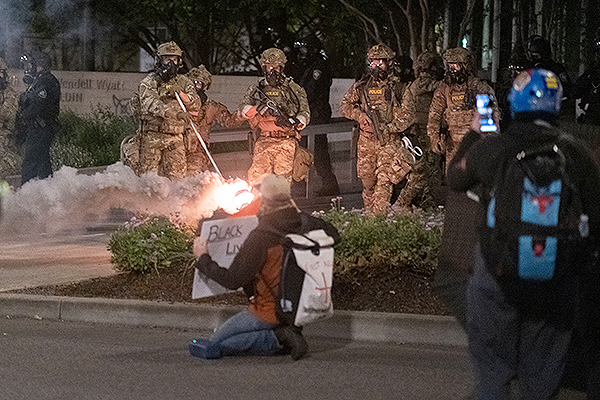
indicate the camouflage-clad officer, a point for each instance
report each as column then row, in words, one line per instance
column 163, row 122
column 275, row 147
column 10, row 160
column 455, row 99
column 378, row 93
column 210, row 112
column 411, row 121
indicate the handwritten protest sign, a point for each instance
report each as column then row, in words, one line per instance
column 224, row 237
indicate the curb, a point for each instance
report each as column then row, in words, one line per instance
column 344, row 325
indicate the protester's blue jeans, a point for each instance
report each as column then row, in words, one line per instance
column 246, row 334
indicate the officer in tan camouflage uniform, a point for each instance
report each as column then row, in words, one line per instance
column 411, row 121
column 275, row 147
column 455, row 99
column 210, row 112
column 10, row 160
column 163, row 122
column 381, row 159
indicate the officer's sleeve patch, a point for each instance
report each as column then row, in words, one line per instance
column 316, row 74
column 43, row 94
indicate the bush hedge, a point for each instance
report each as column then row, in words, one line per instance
column 402, row 241
column 90, row 140
column 399, row 240
column 149, row 245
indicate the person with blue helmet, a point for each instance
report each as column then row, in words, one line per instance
column 520, row 329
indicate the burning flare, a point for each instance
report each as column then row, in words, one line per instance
column 234, row 195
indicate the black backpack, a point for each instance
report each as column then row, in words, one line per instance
column 535, row 226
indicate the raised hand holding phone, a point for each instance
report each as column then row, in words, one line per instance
column 486, row 122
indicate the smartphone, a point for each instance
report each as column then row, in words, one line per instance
column 485, row 114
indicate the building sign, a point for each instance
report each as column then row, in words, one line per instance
column 82, row 92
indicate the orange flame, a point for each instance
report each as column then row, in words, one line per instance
column 232, row 196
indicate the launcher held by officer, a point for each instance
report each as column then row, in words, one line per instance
column 37, row 115
column 163, row 121
column 277, row 109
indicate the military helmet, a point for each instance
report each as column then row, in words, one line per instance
column 380, row 51
column 272, row 56
column 3, row 64
column 169, row 49
column 428, row 61
column 200, row 74
column 460, row 55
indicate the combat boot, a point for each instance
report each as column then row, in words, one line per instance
column 291, row 339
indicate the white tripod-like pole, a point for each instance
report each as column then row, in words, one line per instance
column 199, row 136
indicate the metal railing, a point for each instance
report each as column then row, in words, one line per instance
column 339, row 130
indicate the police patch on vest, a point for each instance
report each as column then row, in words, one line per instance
column 458, row 97
column 43, row 94
column 274, row 94
column 376, row 95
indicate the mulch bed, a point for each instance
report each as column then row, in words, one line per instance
column 398, row 292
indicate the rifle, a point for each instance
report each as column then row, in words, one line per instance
column 282, row 118
column 372, row 114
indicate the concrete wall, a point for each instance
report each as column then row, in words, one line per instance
column 81, row 90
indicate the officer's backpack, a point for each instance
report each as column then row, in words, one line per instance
column 304, row 294
column 535, row 226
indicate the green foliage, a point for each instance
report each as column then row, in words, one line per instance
column 408, row 241
column 91, row 140
column 70, row 155
column 143, row 246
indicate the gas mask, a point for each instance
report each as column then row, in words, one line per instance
column 166, row 71
column 378, row 69
column 274, row 77
column 29, row 69
column 456, row 75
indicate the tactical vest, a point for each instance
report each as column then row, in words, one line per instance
column 287, row 100
column 382, row 96
column 284, row 96
column 164, row 125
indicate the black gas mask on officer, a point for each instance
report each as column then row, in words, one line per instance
column 456, row 73
column 274, row 74
column 29, row 69
column 167, row 67
column 378, row 68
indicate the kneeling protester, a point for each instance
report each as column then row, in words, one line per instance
column 285, row 267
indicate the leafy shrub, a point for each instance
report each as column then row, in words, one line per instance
column 98, row 134
column 149, row 245
column 399, row 240
column 70, row 155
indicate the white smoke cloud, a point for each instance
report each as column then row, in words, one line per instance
column 68, row 200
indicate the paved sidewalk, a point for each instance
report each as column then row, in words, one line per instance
column 35, row 260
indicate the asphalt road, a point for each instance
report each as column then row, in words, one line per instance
column 42, row 359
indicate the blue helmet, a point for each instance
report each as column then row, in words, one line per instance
column 536, row 92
